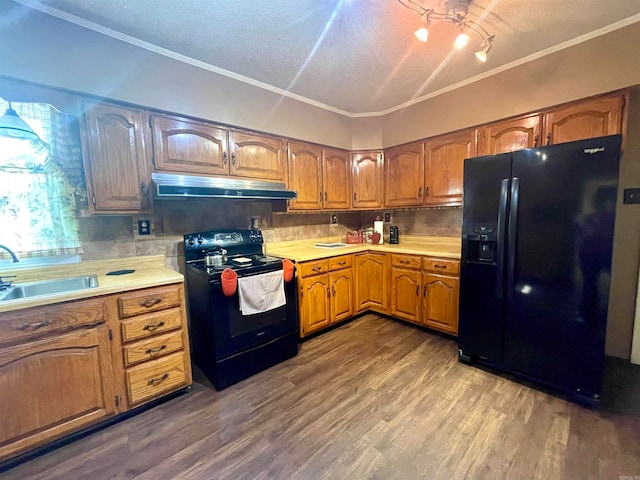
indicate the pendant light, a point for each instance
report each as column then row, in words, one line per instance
column 11, row 125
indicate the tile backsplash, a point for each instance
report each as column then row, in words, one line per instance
column 117, row 236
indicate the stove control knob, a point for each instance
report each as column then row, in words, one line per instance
column 191, row 242
column 200, row 240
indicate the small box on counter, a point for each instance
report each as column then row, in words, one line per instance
column 357, row 236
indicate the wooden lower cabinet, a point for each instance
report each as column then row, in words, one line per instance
column 325, row 298
column 371, row 282
column 65, row 367
column 440, row 302
column 405, row 294
column 54, row 386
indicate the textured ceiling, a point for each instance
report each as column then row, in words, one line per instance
column 357, row 57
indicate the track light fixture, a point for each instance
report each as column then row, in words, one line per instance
column 457, row 14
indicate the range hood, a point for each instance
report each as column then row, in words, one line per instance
column 169, row 186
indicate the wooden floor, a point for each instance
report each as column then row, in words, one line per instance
column 375, row 399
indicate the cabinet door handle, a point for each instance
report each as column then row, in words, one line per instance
column 153, row 326
column 354, row 196
column 417, row 290
column 333, row 290
column 424, row 291
column 233, row 158
column 328, row 293
column 535, row 141
column 419, row 192
column 34, row 326
column 426, row 192
column 549, row 138
column 156, row 381
column 151, row 351
column 325, row 196
column 151, row 302
column 320, row 193
column 143, row 189
column 224, row 158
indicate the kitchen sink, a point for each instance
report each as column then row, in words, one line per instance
column 48, row 287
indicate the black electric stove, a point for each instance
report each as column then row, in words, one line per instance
column 227, row 345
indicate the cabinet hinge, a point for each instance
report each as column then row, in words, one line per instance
column 110, row 334
column 117, row 401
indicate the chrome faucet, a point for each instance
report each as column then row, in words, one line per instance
column 12, row 253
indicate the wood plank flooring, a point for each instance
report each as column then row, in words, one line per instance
column 376, row 399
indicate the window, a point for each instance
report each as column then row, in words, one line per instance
column 38, row 214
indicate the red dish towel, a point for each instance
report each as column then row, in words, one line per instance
column 287, row 266
column 229, row 280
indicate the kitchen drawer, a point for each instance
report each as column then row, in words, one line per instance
column 156, row 377
column 314, row 267
column 151, row 324
column 31, row 322
column 153, row 347
column 441, row 266
column 149, row 300
column 343, row 261
column 406, row 261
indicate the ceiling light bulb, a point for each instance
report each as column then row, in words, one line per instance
column 462, row 41
column 481, row 55
column 422, row 34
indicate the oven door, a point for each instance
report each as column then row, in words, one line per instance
column 235, row 332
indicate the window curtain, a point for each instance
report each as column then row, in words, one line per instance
column 38, row 212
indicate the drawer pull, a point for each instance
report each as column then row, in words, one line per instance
column 153, row 326
column 157, row 381
column 316, row 269
column 440, row 266
column 151, row 302
column 403, row 261
column 34, row 326
column 342, row 263
column 151, row 351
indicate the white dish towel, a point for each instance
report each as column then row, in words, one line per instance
column 261, row 293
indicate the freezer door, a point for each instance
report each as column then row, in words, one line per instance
column 481, row 309
column 560, row 239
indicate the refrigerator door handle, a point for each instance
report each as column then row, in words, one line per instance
column 502, row 217
column 511, row 241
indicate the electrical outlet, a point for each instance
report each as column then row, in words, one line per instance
column 387, row 217
column 144, row 227
column 631, row 195
column 334, row 218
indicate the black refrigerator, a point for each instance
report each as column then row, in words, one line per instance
column 537, row 238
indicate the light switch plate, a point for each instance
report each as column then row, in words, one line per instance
column 144, row 227
column 387, row 217
column 631, row 195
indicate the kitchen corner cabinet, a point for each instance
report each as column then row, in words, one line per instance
column 367, row 179
column 253, row 155
column 444, row 160
column 585, row 119
column 371, row 285
column 55, row 373
column 510, row 135
column 326, row 293
column 404, row 176
column 305, row 176
column 116, row 154
column 440, row 289
column 183, row 145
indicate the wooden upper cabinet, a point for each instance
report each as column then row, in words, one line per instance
column 116, row 146
column 257, row 156
column 510, row 135
column 404, row 176
column 444, row 159
column 586, row 119
column 367, row 182
column 336, row 179
column 189, row 146
column 305, row 176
